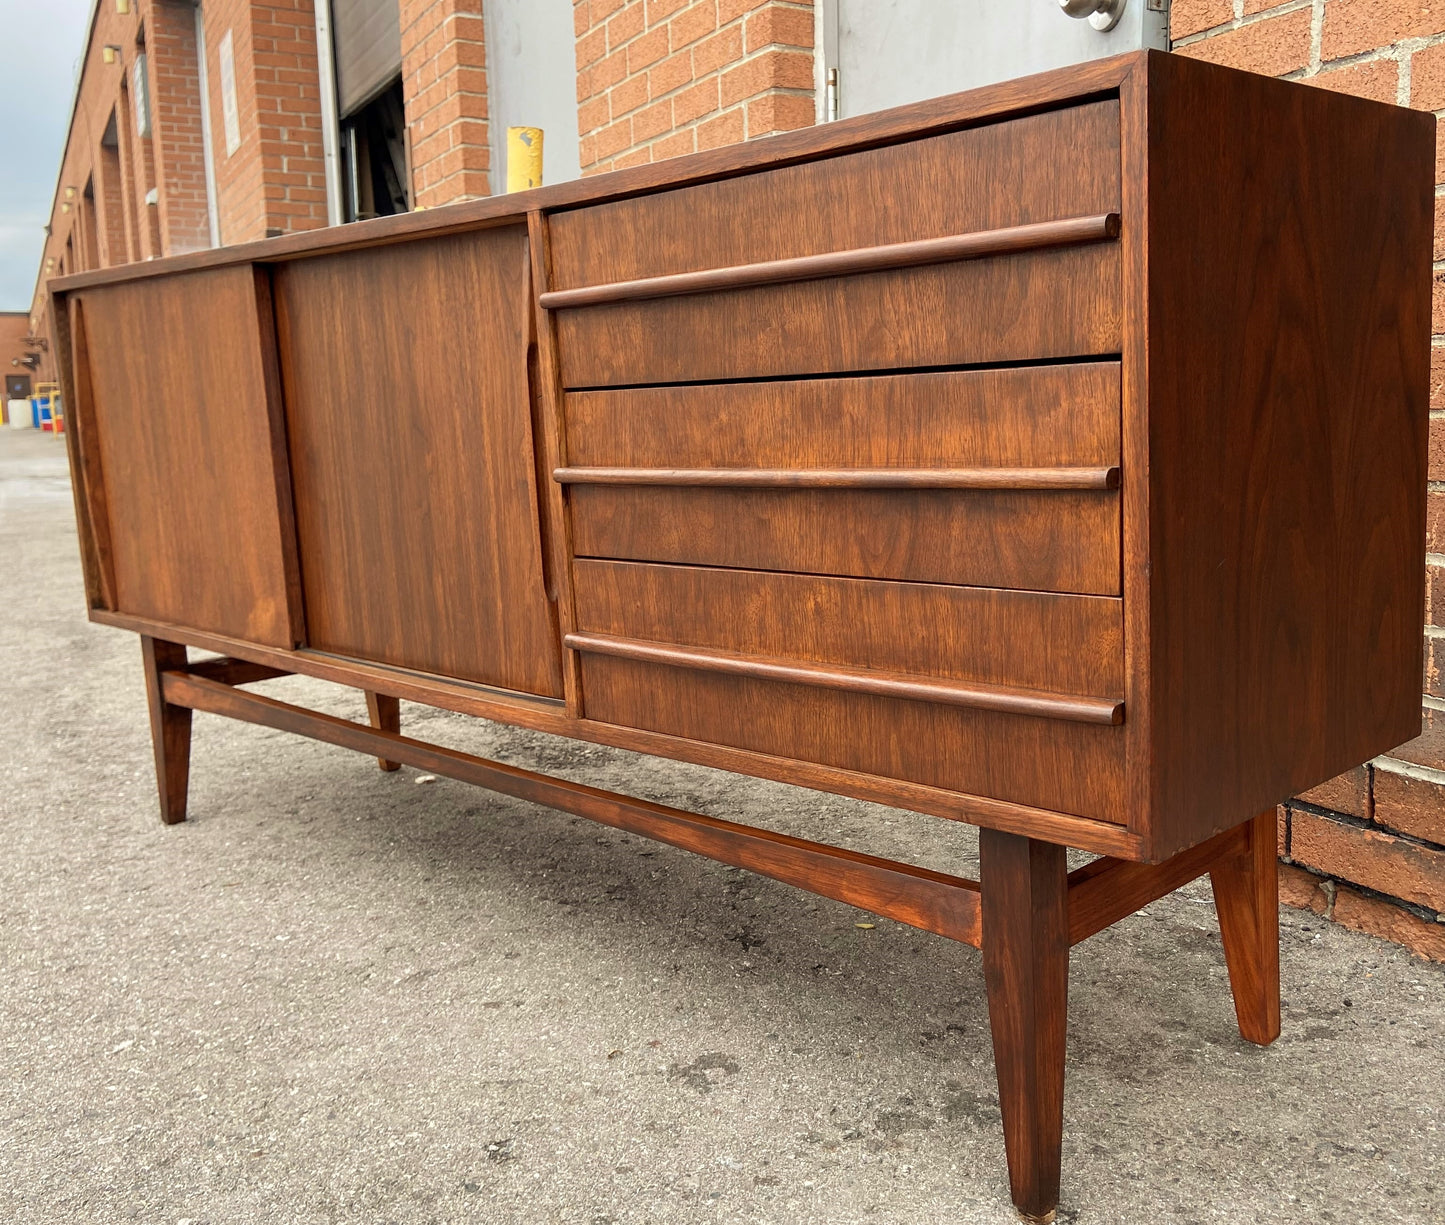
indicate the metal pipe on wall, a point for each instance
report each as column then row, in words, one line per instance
column 330, row 123
column 208, row 153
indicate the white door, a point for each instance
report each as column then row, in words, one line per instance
column 882, row 53
column 532, row 83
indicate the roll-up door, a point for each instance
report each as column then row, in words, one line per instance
column 367, row 37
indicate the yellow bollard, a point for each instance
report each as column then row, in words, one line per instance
column 524, row 158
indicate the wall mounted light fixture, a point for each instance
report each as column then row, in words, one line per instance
column 122, row 7
column 110, row 53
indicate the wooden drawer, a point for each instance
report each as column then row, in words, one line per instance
column 1038, row 416
column 1071, row 768
column 1046, row 540
column 1067, row 645
column 987, row 478
column 1061, row 163
column 1001, row 250
column 949, row 686
column 1057, row 303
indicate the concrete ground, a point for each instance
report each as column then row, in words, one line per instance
column 342, row 996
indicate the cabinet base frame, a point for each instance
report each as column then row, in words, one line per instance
column 1024, row 915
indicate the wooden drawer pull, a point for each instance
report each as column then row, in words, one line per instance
column 859, row 680
column 847, row 478
column 1067, row 232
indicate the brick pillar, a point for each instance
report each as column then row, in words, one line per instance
column 444, row 80
column 152, row 245
column 86, row 233
column 275, row 181
column 656, row 78
column 109, row 201
column 176, row 125
column 1367, row 848
column 288, row 114
column 134, row 174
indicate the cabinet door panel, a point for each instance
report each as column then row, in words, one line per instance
column 409, row 411
column 177, row 389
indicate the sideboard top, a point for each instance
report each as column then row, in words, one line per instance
column 1039, row 92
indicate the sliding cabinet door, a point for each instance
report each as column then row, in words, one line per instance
column 179, row 418
column 410, row 427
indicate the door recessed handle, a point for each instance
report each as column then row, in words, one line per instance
column 1102, row 14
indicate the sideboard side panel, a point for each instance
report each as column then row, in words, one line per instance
column 410, row 429
column 1289, row 325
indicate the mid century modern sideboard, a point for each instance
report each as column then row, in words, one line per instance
column 1049, row 457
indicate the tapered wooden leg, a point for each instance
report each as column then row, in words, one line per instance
column 1246, row 895
column 1024, row 896
column 170, row 729
column 385, row 714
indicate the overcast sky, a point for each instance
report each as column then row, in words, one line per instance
column 42, row 41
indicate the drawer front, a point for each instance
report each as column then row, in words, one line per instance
column 1057, row 303
column 1048, row 643
column 1046, row 540
column 1044, row 416
column 840, row 264
column 1062, row 163
column 1012, row 695
column 996, row 479
column 1066, row 767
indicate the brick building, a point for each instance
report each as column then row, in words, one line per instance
column 225, row 121
column 24, row 356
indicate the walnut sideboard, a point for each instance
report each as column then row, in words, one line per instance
column 1050, row 457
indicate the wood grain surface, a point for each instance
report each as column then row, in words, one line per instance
column 1054, row 304
column 179, row 402
column 82, row 444
column 1031, row 640
column 1289, row 348
column 170, row 728
column 1246, row 895
column 1026, row 967
column 1075, row 768
column 1033, row 416
column 385, row 714
column 845, row 478
column 878, row 682
column 981, row 178
column 916, row 253
column 1045, row 540
column 411, row 450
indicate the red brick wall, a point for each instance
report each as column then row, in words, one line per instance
column 275, row 182
column 1368, row 848
column 656, row 78
column 176, row 122
column 444, row 81
column 14, row 327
